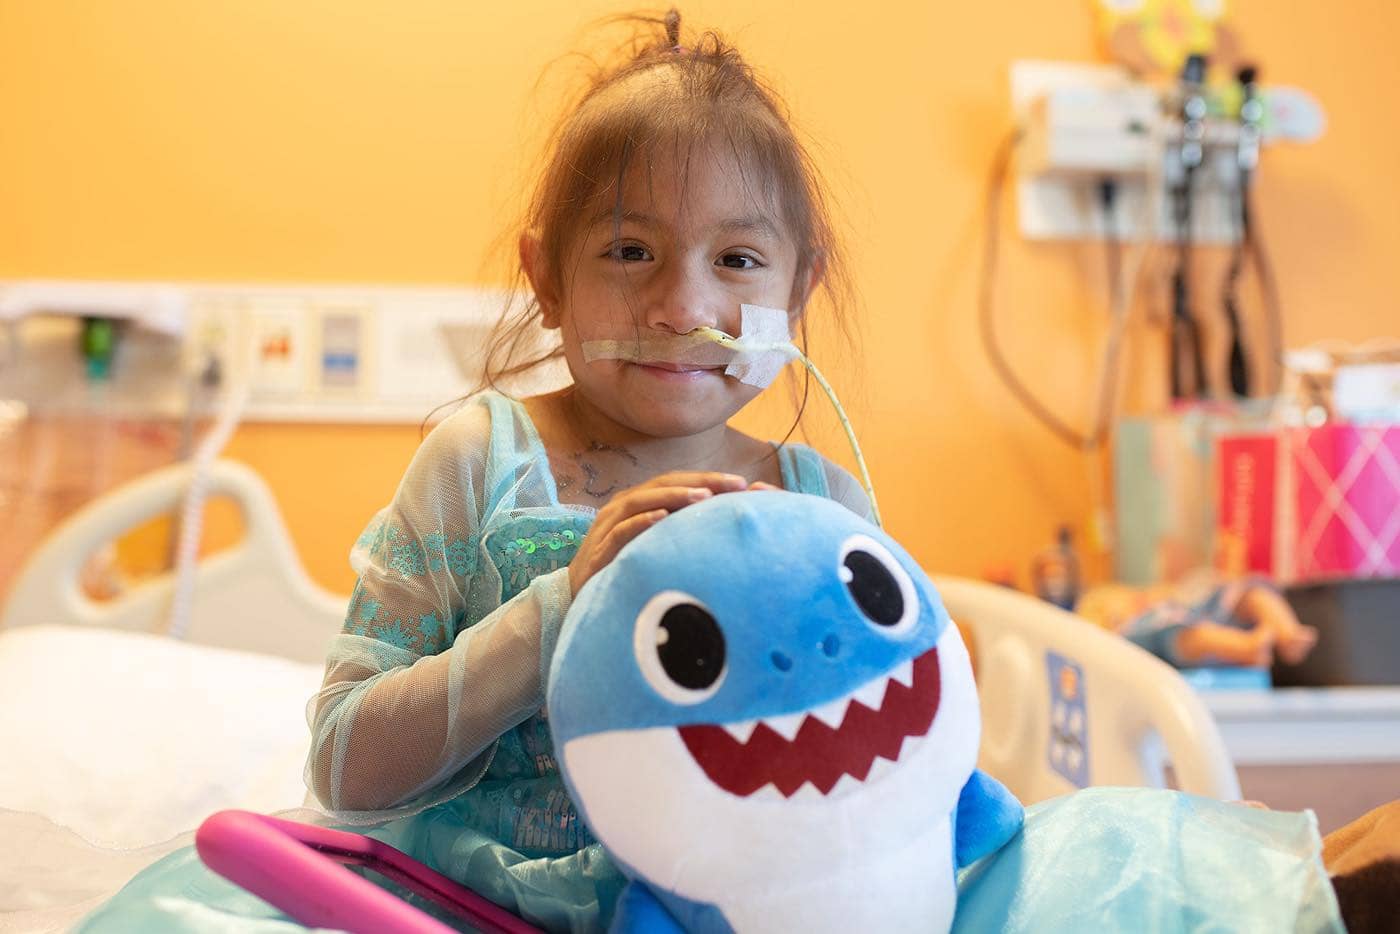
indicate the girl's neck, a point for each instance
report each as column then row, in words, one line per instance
column 593, row 457
column 593, row 428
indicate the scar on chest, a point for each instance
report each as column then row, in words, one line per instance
column 584, row 471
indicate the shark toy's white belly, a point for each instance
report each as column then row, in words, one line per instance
column 872, row 852
column 885, row 889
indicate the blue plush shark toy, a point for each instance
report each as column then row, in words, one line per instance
column 765, row 714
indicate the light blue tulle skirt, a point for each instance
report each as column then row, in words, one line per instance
column 1142, row 860
column 1104, row 859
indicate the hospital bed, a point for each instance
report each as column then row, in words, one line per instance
column 102, row 709
column 1066, row 704
column 106, row 717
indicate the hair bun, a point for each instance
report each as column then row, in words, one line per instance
column 673, row 27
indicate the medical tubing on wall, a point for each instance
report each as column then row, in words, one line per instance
column 192, row 509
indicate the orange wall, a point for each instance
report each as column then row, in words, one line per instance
column 382, row 142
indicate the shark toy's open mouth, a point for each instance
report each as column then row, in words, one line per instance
column 844, row 737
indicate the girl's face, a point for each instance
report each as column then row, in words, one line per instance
column 695, row 242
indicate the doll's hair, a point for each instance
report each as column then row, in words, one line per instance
column 668, row 93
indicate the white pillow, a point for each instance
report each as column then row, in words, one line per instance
column 130, row 738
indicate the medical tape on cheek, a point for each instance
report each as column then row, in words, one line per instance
column 755, row 357
column 765, row 343
column 769, row 347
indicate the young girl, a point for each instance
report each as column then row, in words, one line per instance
column 675, row 193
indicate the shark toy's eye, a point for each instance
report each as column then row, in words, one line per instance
column 879, row 585
column 680, row 648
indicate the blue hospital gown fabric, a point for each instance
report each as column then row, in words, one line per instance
column 462, row 587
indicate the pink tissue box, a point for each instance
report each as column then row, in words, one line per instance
column 1311, row 503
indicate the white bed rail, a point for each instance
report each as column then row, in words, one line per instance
column 1065, row 703
column 255, row 596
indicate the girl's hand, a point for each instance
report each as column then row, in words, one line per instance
column 634, row 510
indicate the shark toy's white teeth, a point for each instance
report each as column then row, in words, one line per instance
column 872, row 693
column 879, row 769
column 904, row 673
column 741, row 731
column 845, row 785
column 768, row 792
column 786, row 726
column 834, row 748
column 833, row 713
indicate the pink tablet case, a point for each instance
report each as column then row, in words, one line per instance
column 300, row 869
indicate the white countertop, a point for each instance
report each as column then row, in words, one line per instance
column 1301, row 726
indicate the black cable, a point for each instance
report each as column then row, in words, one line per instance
column 1251, row 245
column 1108, row 198
column 1239, row 367
column 1185, row 337
column 1251, row 116
column 1185, row 333
column 996, row 184
column 1113, row 260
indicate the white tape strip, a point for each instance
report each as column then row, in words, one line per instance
column 755, row 357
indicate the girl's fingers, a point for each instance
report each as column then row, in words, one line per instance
column 633, row 511
column 761, row 485
column 624, row 532
column 669, row 498
column 715, row 482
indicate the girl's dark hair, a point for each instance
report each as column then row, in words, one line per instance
column 708, row 95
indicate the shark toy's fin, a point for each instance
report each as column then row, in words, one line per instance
column 988, row 816
column 639, row 912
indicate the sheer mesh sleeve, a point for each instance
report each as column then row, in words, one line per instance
column 428, row 670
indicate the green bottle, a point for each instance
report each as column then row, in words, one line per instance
column 99, row 345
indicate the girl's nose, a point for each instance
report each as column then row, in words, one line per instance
column 683, row 301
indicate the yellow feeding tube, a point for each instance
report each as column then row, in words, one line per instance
column 788, row 349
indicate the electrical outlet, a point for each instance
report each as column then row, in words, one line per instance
column 343, row 353
column 277, row 328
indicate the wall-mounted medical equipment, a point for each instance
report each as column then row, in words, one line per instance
column 1082, row 124
column 300, row 352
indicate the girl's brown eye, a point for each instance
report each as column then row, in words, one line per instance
column 738, row 261
column 630, row 253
